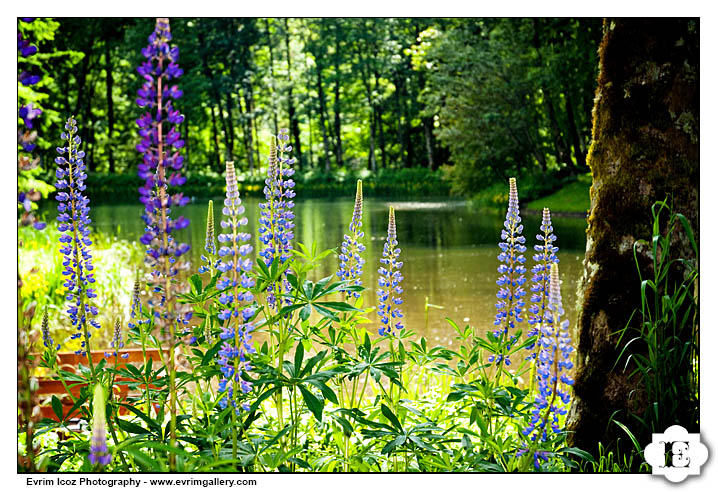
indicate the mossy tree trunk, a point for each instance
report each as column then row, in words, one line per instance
column 644, row 149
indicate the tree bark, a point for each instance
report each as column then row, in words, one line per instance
column 229, row 138
column 578, row 151
column 271, row 78
column 644, row 149
column 291, row 109
column 215, row 151
column 323, row 118
column 338, row 153
column 110, row 106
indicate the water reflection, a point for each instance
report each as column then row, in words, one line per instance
column 449, row 251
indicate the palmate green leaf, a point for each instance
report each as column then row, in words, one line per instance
column 386, row 411
column 313, row 403
column 131, row 427
column 392, row 445
column 154, row 426
column 57, row 407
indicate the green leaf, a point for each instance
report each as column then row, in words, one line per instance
column 584, row 455
column 57, row 407
column 386, row 411
column 131, row 427
column 305, row 312
column 298, row 358
column 313, row 403
column 196, row 282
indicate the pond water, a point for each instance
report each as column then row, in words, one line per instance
column 449, row 251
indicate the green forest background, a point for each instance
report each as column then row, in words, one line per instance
column 423, row 106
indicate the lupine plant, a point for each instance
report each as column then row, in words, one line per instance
column 553, row 364
column 73, row 221
column 323, row 387
column 159, row 147
column 545, row 256
column 390, row 278
column 351, row 263
column 510, row 304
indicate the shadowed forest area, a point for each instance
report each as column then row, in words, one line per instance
column 478, row 99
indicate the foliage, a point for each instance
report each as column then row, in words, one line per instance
column 359, row 94
column 663, row 347
column 511, row 95
column 319, row 392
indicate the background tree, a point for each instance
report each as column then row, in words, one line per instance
column 645, row 148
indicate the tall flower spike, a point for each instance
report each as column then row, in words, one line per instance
column 99, row 454
column 160, row 146
column 235, row 311
column 210, row 246
column 509, row 304
column 544, row 258
column 276, row 222
column 554, row 362
column 26, row 138
column 117, row 342
column 390, row 282
column 350, row 261
column 74, row 221
column 47, row 340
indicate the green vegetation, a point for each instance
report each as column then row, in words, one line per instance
column 572, row 198
column 410, row 182
column 485, row 99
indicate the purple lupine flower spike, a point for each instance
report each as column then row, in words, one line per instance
column 117, row 342
column 553, row 364
column 159, row 170
column 74, row 220
column 26, row 137
column 351, row 263
column 99, row 454
column 390, row 283
column 509, row 304
column 236, row 313
column 276, row 222
column 210, row 247
column 544, row 258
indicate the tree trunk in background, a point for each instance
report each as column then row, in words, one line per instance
column 272, row 79
column 382, row 140
column 338, row 153
column 110, row 107
column 215, row 151
column 426, row 122
column 323, row 118
column 251, row 135
column 230, row 128
column 578, row 151
column 293, row 121
column 645, row 148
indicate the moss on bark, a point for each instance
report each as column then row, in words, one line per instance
column 645, row 148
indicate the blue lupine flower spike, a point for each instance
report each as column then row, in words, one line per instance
column 510, row 304
column 210, row 247
column 390, row 278
column 117, row 342
column 554, row 363
column 47, row 340
column 545, row 256
column 161, row 163
column 235, row 311
column 99, row 454
column 73, row 222
column 350, row 261
column 276, row 222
